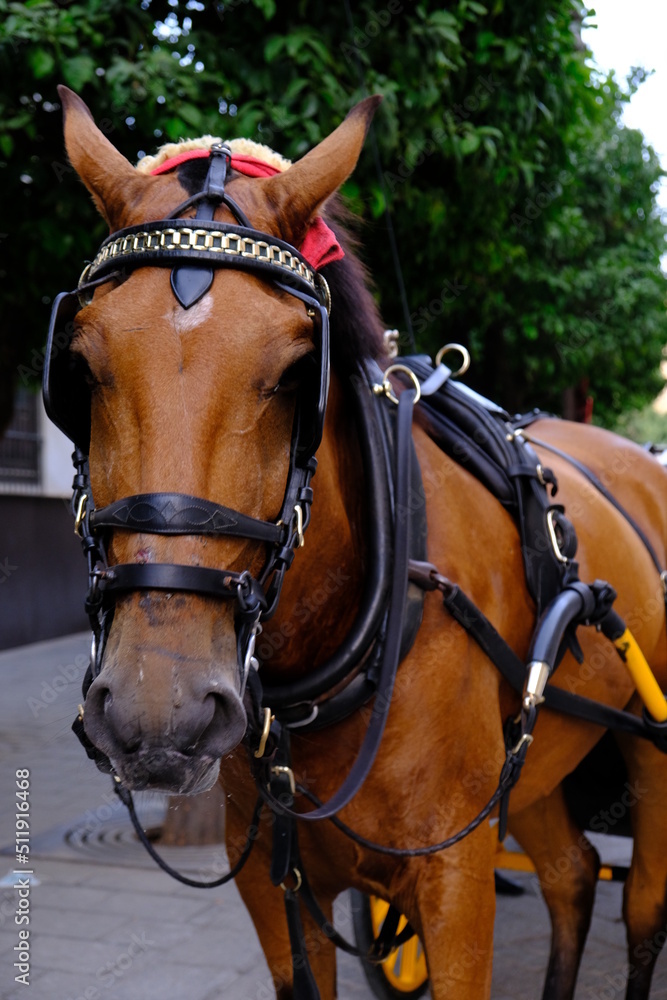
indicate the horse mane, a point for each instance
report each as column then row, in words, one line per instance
column 357, row 331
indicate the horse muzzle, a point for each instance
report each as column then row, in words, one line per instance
column 171, row 739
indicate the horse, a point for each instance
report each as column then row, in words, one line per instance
column 205, row 397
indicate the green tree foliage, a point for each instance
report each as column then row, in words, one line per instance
column 524, row 213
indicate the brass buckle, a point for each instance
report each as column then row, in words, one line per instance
column 79, row 514
column 299, row 525
column 266, row 727
column 525, row 739
column 551, row 514
column 279, row 769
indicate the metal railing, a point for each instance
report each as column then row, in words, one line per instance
column 20, row 445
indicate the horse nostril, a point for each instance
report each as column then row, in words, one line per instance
column 227, row 725
column 204, row 723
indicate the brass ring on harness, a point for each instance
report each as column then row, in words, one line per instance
column 386, row 384
column 298, row 879
column 463, row 351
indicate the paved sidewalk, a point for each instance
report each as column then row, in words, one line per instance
column 105, row 924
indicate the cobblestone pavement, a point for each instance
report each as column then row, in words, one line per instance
column 105, row 924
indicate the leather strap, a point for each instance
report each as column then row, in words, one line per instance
column 329, row 675
column 371, row 743
column 601, row 488
column 188, row 282
column 182, row 514
column 304, row 986
column 513, row 670
column 170, row 576
column 385, row 942
column 169, row 242
column 125, row 795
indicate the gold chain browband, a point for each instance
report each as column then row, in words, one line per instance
column 199, row 244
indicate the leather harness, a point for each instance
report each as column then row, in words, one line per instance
column 469, row 428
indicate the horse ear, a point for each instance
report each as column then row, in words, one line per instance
column 109, row 177
column 302, row 189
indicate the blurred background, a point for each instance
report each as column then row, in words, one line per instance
column 505, row 199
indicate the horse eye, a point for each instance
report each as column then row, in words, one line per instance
column 82, row 370
column 295, row 375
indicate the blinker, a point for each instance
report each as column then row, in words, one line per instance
column 66, row 395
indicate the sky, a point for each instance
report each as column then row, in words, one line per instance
column 635, row 34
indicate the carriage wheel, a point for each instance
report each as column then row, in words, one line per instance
column 403, row 974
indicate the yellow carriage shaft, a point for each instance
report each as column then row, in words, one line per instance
column 517, row 861
column 642, row 675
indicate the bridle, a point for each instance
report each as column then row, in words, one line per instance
column 194, row 249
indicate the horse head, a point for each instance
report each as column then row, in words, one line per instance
column 198, row 401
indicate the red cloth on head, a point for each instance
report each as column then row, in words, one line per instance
column 319, row 246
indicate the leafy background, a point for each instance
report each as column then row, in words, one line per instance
column 524, row 213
